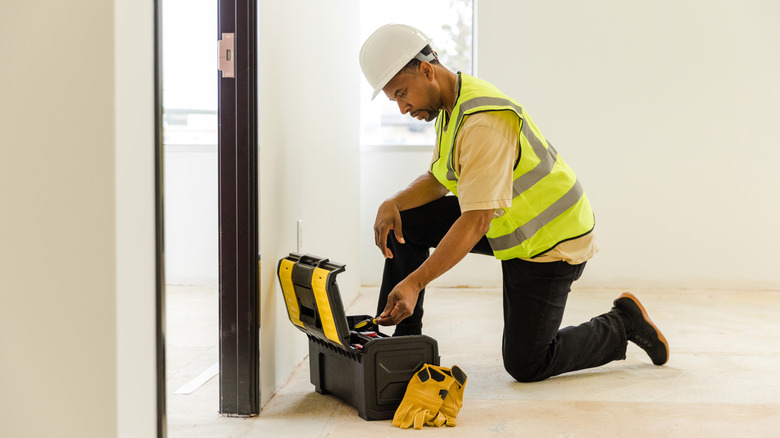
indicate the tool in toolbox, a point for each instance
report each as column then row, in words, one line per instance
column 366, row 324
column 348, row 355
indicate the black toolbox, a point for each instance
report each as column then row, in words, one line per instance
column 363, row 367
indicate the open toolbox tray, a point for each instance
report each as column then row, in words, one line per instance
column 365, row 368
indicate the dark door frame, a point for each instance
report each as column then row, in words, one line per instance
column 159, row 224
column 239, row 298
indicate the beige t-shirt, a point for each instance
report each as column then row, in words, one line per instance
column 485, row 154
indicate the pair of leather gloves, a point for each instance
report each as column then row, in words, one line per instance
column 433, row 397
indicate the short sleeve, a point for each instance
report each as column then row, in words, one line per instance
column 486, row 151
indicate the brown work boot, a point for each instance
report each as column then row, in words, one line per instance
column 641, row 329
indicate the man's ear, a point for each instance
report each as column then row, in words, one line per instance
column 427, row 70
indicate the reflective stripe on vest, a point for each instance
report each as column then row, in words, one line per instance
column 524, row 232
column 570, row 211
column 547, row 156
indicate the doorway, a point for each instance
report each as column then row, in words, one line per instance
column 190, row 142
column 210, row 185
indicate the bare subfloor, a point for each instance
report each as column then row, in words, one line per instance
column 723, row 378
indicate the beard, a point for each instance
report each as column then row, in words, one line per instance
column 429, row 115
column 431, row 110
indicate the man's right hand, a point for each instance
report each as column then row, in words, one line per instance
column 400, row 302
column 388, row 217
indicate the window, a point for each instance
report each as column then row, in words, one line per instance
column 189, row 78
column 450, row 24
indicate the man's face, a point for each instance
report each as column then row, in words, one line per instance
column 415, row 92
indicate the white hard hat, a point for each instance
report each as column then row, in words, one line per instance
column 388, row 50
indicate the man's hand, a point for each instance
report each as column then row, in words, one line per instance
column 400, row 303
column 388, row 217
column 467, row 230
column 421, row 191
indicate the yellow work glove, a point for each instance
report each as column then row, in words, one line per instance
column 424, row 396
column 452, row 403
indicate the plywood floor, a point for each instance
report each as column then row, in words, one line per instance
column 722, row 380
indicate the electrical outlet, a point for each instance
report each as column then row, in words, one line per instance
column 299, row 247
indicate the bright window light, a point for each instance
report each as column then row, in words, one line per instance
column 189, row 72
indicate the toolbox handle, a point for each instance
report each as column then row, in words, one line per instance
column 320, row 262
column 311, row 260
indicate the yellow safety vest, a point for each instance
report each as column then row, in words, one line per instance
column 548, row 205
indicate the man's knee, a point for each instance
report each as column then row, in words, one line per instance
column 526, row 371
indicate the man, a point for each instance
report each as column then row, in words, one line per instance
column 515, row 198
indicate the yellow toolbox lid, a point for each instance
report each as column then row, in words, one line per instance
column 312, row 297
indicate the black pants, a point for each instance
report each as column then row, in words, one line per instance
column 534, row 346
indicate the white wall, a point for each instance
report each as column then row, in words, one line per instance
column 59, row 237
column 76, row 231
column 191, row 215
column 134, row 134
column 666, row 111
column 309, row 158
